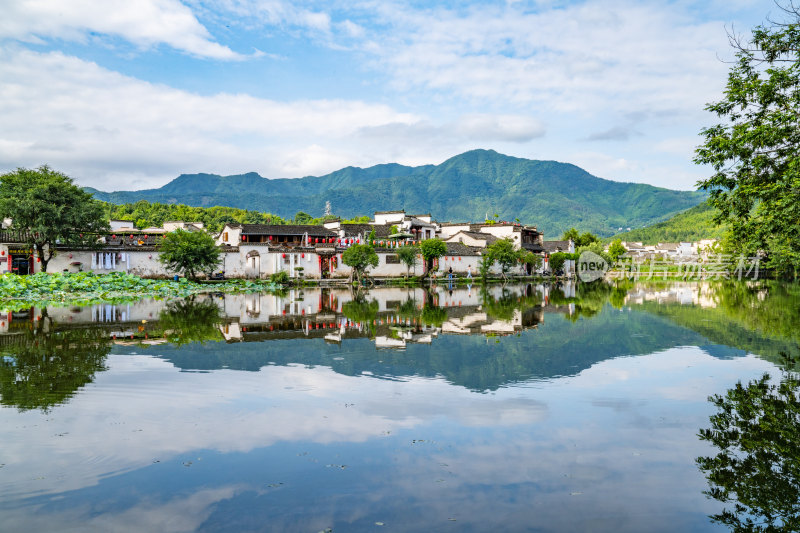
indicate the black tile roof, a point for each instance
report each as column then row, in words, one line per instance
column 288, row 229
column 354, row 230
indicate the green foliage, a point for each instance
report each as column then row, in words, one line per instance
column 48, row 208
column 615, row 250
column 501, row 252
column 190, row 252
column 145, row 214
column 578, row 239
column 45, row 368
column 756, row 431
column 594, row 247
column 189, row 320
column 753, row 151
column 279, row 278
column 360, row 310
column 556, row 261
column 691, row 225
column 408, row 256
column 360, row 257
column 433, row 315
column 431, row 249
column 465, row 187
column 83, row 288
column 303, row 218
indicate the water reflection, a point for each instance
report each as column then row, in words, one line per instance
column 48, row 354
column 756, row 471
column 513, row 409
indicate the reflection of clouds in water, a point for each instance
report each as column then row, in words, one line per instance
column 177, row 515
column 600, row 454
column 144, row 410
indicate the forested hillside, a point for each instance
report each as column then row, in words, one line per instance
column 553, row 196
column 691, row 225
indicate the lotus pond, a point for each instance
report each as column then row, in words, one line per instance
column 511, row 408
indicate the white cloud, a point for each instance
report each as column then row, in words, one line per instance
column 145, row 23
column 100, row 126
column 590, row 57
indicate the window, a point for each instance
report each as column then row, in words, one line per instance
column 392, row 259
column 225, row 236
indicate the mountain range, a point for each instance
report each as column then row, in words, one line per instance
column 551, row 195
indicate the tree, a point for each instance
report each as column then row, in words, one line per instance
column 757, row 468
column 48, row 209
column 360, row 257
column 616, row 249
column 190, row 252
column 753, row 151
column 408, row 256
column 503, row 253
column 578, row 239
column 431, row 249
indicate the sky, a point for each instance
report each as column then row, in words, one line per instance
column 128, row 94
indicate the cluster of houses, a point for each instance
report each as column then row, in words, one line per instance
column 302, row 251
column 677, row 252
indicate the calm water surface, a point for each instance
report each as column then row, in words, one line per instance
column 524, row 408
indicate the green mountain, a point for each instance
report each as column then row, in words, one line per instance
column 553, row 196
column 691, row 225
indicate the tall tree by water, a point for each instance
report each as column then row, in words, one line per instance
column 47, row 208
column 190, row 252
column 754, row 149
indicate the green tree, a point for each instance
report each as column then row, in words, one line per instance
column 190, row 252
column 616, row 249
column 360, row 257
column 47, row 208
column 408, row 256
column 579, row 239
column 431, row 249
column 753, row 151
column 503, row 253
column 190, row 320
column 756, row 470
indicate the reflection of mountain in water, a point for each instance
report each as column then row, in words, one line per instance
column 556, row 348
column 481, row 340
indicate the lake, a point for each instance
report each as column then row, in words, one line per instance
column 517, row 408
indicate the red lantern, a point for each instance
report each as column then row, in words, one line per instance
column 131, row 236
column 244, row 238
column 303, row 256
column 284, row 256
column 3, row 252
column 357, row 241
column 144, row 236
column 316, row 240
column 270, row 237
column 113, row 236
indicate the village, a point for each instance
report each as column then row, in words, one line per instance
column 314, row 252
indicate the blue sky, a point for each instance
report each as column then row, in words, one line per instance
column 127, row 94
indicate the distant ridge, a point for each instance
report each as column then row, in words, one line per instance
column 554, row 196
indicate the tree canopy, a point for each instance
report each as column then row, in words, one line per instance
column 501, row 252
column 431, row 249
column 753, row 150
column 360, row 257
column 408, row 256
column 46, row 208
column 189, row 251
column 584, row 239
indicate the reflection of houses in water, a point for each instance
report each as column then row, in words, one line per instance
column 392, row 316
column 686, row 293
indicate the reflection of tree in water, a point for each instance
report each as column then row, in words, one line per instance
column 190, row 320
column 47, row 367
column 503, row 307
column 590, row 298
column 757, row 469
